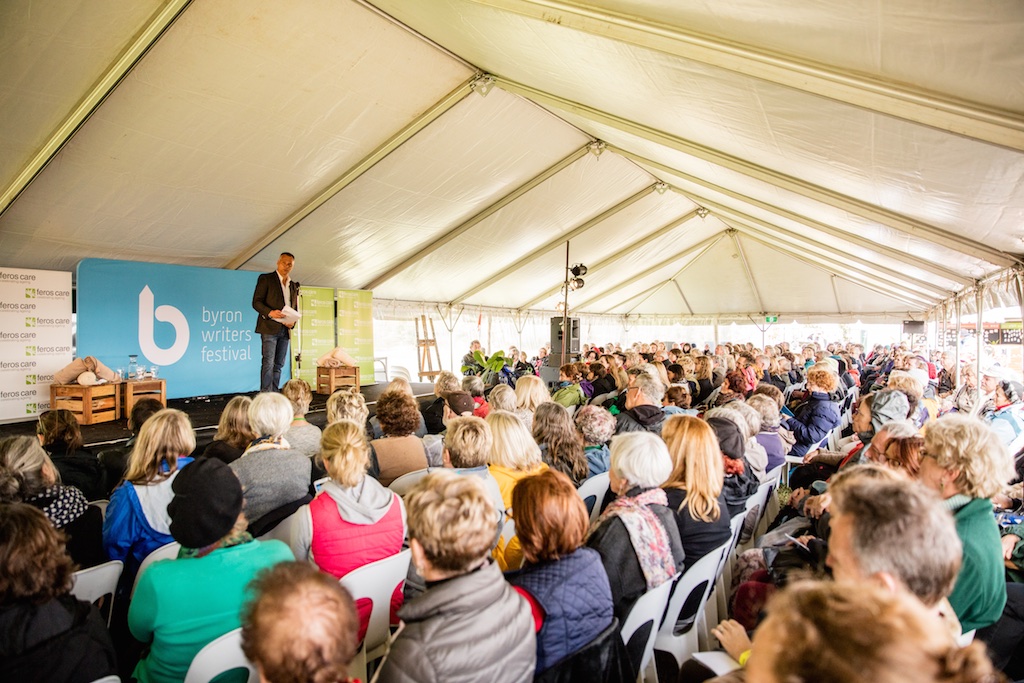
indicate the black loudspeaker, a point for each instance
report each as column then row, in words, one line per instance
column 572, row 344
column 913, row 327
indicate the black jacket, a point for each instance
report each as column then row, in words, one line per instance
column 63, row 640
column 268, row 297
column 643, row 418
column 80, row 469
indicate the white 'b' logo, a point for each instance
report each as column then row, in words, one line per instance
column 165, row 314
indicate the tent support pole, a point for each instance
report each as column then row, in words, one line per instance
column 956, row 307
column 980, row 303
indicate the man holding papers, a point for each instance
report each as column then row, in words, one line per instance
column 276, row 299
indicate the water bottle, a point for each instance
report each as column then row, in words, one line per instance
column 133, row 366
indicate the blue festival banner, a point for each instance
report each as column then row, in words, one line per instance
column 194, row 324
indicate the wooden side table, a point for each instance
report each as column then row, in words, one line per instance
column 329, row 379
column 90, row 404
column 138, row 389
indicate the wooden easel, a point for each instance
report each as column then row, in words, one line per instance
column 425, row 343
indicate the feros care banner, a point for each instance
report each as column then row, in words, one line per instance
column 35, row 338
column 355, row 329
column 315, row 330
column 194, row 324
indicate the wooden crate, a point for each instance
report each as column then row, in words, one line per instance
column 328, row 380
column 138, row 389
column 91, row 405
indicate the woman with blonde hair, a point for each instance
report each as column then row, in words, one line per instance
column 353, row 520
column 502, row 397
column 137, row 522
column 348, row 404
column 695, row 487
column 705, row 379
column 514, row 453
column 234, row 433
column 530, row 393
column 301, row 435
column 433, row 415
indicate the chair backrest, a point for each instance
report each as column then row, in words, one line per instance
column 102, row 505
column 593, row 491
column 164, row 552
column 601, row 398
column 93, row 583
column 642, row 624
column 319, row 483
column 402, row 484
column 376, row 582
column 691, row 592
column 220, row 655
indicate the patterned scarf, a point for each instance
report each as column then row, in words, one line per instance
column 61, row 504
column 646, row 533
column 267, row 443
column 237, row 538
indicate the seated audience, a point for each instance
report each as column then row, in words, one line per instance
column 564, row 582
column 433, row 414
column 966, row 464
column 502, row 397
column 602, row 381
column 399, row 451
column 677, row 401
column 400, row 384
column 180, row 605
column 815, row 417
column 530, row 393
column 28, row 476
column 768, row 436
column 705, row 379
column 568, row 392
column 740, row 482
column 300, row 627
column 234, row 433
column 61, row 437
column 832, row 633
column 136, row 522
column 1005, row 411
column 469, row 625
column 114, row 461
column 467, row 448
column 597, row 426
column 273, row 475
column 560, row 444
column 695, row 487
column 301, row 435
column 749, row 422
column 514, row 453
column 643, row 406
column 732, row 388
column 45, row 633
column 637, row 535
column 474, row 386
column 353, row 520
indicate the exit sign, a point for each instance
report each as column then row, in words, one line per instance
column 771, row 318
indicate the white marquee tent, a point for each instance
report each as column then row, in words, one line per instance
column 832, row 159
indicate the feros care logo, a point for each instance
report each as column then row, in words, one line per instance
column 30, row 350
column 30, row 380
column 30, row 321
column 30, row 292
column 164, row 314
column 30, row 408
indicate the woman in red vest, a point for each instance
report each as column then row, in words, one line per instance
column 353, row 520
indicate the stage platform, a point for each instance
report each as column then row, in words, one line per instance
column 204, row 411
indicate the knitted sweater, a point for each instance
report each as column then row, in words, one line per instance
column 980, row 590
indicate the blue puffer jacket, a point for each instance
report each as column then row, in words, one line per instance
column 576, row 599
column 812, row 421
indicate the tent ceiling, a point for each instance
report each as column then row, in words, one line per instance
column 857, row 159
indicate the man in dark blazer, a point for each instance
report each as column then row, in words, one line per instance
column 273, row 292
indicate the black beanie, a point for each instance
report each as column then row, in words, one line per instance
column 730, row 440
column 207, row 501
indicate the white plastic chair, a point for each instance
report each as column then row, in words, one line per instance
column 102, row 505
column 319, row 483
column 108, row 679
column 399, row 371
column 93, row 583
column 724, row 583
column 593, row 491
column 376, row 582
column 164, row 552
column 402, row 484
column 718, row 661
column 640, row 628
column 218, row 656
column 678, row 635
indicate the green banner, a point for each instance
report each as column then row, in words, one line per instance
column 316, row 331
column 355, row 329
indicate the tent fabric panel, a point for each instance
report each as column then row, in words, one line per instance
column 785, row 283
column 438, row 179
column 717, row 282
column 529, row 280
column 954, row 183
column 784, row 199
column 227, row 125
column 664, row 298
column 53, row 53
column 855, row 300
column 556, row 206
column 677, row 248
column 915, row 41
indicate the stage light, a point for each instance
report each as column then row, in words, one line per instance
column 576, row 283
column 578, row 270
